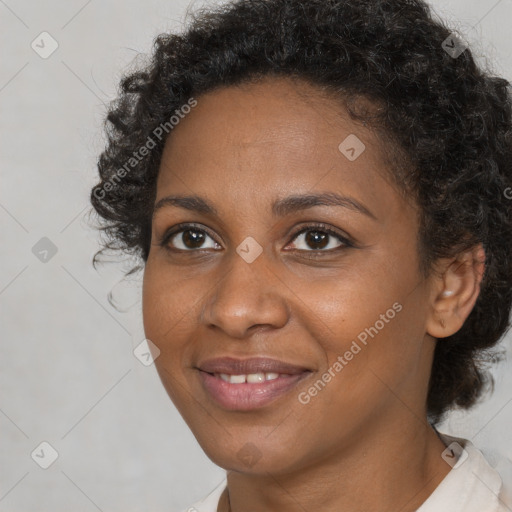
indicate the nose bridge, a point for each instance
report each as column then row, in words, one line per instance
column 248, row 294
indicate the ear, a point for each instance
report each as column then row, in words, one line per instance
column 455, row 288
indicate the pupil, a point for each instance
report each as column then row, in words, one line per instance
column 194, row 240
column 314, row 236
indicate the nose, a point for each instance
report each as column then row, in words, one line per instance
column 248, row 296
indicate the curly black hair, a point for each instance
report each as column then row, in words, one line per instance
column 447, row 120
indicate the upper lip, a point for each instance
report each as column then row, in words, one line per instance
column 233, row 366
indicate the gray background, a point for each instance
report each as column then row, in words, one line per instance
column 68, row 373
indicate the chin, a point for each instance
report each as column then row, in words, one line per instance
column 252, row 457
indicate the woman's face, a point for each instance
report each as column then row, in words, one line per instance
column 256, row 276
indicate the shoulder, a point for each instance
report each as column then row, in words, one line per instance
column 503, row 466
column 210, row 502
column 480, row 481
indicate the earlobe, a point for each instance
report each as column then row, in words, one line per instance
column 455, row 291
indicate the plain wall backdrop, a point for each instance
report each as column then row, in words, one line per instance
column 68, row 373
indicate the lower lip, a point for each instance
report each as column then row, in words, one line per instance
column 248, row 396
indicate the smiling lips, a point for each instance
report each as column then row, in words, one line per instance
column 247, row 384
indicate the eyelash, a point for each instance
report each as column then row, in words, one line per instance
column 323, row 228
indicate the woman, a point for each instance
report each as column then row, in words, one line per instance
column 319, row 194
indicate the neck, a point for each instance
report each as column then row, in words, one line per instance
column 393, row 470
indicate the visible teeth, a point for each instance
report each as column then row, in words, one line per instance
column 256, row 377
column 252, row 378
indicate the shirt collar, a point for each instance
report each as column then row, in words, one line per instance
column 472, row 485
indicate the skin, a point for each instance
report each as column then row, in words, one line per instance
column 363, row 442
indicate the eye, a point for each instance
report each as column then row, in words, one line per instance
column 319, row 238
column 190, row 238
column 316, row 238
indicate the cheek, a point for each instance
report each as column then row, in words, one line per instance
column 370, row 328
column 360, row 383
column 167, row 306
column 167, row 301
column 374, row 366
column 359, row 305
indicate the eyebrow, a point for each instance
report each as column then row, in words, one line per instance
column 280, row 207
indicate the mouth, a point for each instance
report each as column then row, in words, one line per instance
column 251, row 378
column 244, row 385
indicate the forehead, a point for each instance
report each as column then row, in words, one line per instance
column 251, row 143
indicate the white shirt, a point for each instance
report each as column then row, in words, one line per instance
column 472, row 485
